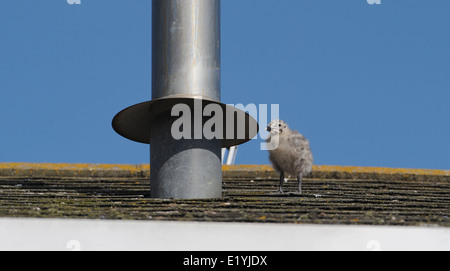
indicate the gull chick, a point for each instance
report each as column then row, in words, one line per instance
column 289, row 152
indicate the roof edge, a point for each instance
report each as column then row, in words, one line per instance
column 143, row 170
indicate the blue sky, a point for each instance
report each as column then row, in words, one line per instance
column 369, row 85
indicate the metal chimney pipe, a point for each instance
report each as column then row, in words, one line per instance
column 185, row 70
column 186, row 49
column 186, row 63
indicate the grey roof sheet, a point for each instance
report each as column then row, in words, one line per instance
column 330, row 197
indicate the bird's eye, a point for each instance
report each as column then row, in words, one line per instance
column 279, row 125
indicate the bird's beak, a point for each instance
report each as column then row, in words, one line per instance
column 268, row 129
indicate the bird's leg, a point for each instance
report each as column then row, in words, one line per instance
column 299, row 182
column 281, row 183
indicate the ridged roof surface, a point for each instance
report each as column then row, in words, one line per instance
column 331, row 195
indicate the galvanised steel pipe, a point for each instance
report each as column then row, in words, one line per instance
column 185, row 70
column 186, row 49
column 186, row 63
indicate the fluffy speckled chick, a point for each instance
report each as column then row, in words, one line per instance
column 290, row 152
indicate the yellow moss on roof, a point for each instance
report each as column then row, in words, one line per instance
column 33, row 169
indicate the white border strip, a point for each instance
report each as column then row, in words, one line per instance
column 73, row 234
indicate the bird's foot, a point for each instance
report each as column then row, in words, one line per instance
column 277, row 193
column 296, row 193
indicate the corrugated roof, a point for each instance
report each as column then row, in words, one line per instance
column 332, row 195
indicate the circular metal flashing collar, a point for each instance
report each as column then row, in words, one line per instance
column 135, row 122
